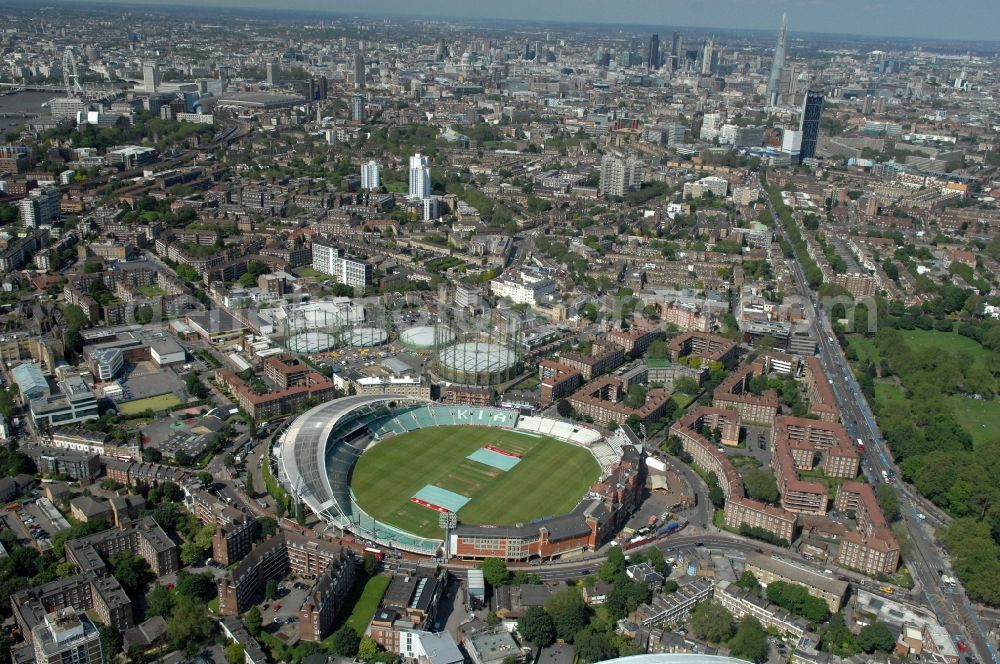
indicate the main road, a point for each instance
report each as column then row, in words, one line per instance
column 926, row 560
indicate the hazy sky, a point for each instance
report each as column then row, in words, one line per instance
column 970, row 19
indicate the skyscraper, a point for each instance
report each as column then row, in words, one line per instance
column 150, row 76
column 420, row 177
column 359, row 70
column 653, row 58
column 370, row 178
column 812, row 112
column 273, row 71
column 706, row 59
column 539, row 52
column 773, row 96
column 675, row 51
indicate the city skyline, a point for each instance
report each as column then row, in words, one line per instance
column 923, row 19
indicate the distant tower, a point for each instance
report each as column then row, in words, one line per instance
column 273, row 71
column 359, row 71
column 151, row 76
column 420, row 177
column 653, row 58
column 539, row 52
column 358, row 108
column 675, row 51
column 706, row 59
column 778, row 64
column 812, row 112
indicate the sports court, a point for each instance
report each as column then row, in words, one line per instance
column 495, row 459
column 436, row 467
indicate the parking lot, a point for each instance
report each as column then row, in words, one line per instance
column 281, row 614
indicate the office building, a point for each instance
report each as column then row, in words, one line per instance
column 773, row 81
column 359, row 71
column 151, row 76
column 330, row 259
column 619, row 176
column 812, row 112
column 420, row 177
column 675, row 51
column 41, row 207
column 706, row 58
column 653, row 57
column 273, row 73
column 67, row 636
column 358, row 108
column 75, row 402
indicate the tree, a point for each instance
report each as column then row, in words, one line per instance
column 205, row 478
column 254, row 620
column 748, row 580
column 537, row 627
column 564, row 408
column 875, row 636
column 717, row 497
column 111, row 641
column 750, row 641
column 188, row 623
column 132, row 571
column 569, row 613
column 888, row 501
column 711, row 621
column 268, row 526
column 495, row 572
column 636, row 396
column 594, row 646
column 159, row 602
column 271, row 590
column 370, row 564
column 614, row 566
column 346, row 641
column 655, row 558
column 200, row 586
column 367, row 649
column 235, row 653
column 761, row 485
column 686, row 384
column 626, row 597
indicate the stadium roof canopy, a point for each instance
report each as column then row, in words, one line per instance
column 675, row 659
column 303, row 450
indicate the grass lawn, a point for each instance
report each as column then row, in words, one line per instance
column 151, row 291
column 529, row 383
column 550, row 479
column 157, row 403
column 919, row 340
column 365, row 598
column 682, row 400
column 980, row 418
column 888, row 397
column 865, row 348
column 306, row 272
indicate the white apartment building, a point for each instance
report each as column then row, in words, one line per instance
column 331, row 259
column 420, row 177
column 370, row 178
